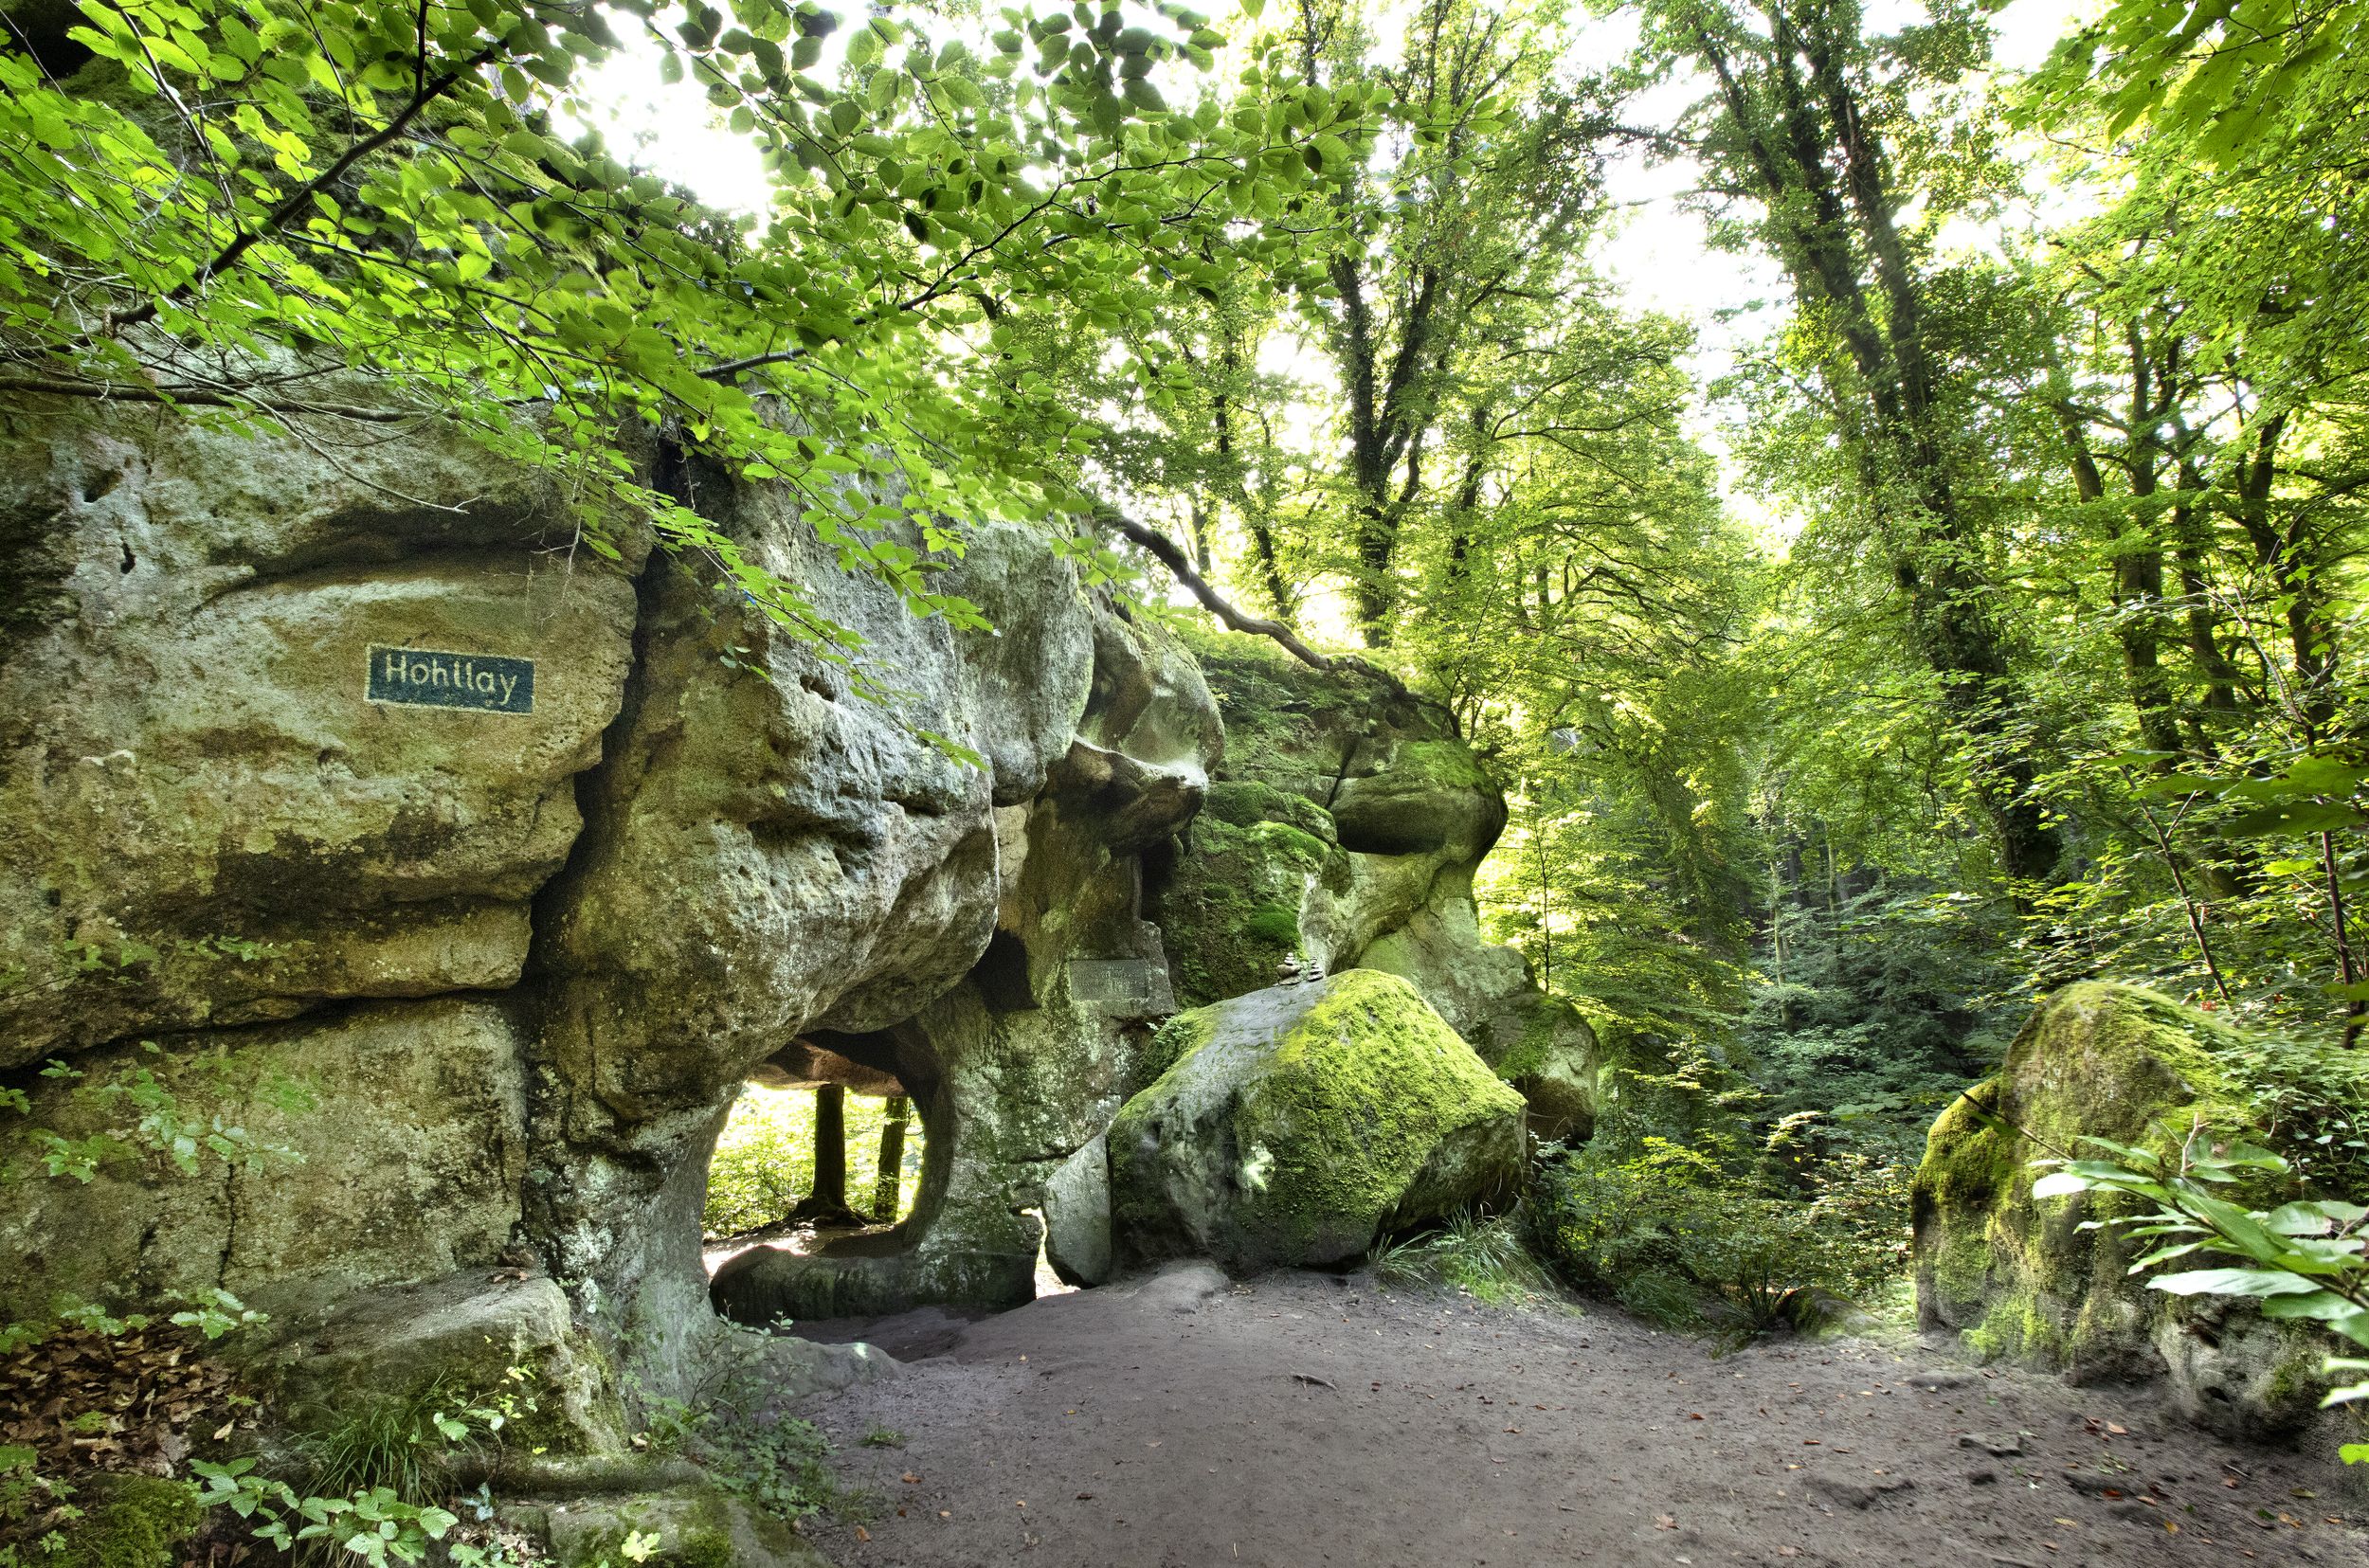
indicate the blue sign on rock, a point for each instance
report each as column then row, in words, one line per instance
column 430, row 677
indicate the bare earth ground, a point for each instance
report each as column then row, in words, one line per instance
column 1300, row 1418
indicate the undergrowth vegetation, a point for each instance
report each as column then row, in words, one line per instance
column 1693, row 1208
column 1487, row 1257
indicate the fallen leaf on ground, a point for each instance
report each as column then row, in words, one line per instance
column 1664, row 1522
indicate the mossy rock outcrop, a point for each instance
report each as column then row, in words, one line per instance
column 2023, row 1281
column 1345, row 825
column 1303, row 1123
column 696, row 1525
column 1259, row 858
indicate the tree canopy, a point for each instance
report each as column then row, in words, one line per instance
column 2043, row 669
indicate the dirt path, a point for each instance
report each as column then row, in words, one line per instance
column 1301, row 1419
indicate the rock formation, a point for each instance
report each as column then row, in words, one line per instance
column 408, row 1007
column 2022, row 1280
column 1345, row 823
column 355, row 1000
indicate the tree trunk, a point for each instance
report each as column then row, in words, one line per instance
column 887, row 1188
column 831, row 1150
column 1905, row 471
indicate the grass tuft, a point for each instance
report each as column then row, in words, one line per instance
column 1485, row 1258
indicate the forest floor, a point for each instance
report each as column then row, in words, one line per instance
column 1300, row 1418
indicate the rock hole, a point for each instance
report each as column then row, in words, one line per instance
column 805, row 1159
column 128, row 561
column 1001, row 975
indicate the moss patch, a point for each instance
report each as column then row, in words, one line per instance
column 130, row 1522
column 1232, row 910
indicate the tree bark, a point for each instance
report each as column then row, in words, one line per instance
column 831, row 1149
column 889, row 1185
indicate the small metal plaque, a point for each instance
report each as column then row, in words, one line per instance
column 1122, row 988
column 431, row 678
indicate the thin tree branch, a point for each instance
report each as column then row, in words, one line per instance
column 1163, row 548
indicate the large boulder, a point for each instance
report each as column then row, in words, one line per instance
column 2024, row 1280
column 1077, row 1215
column 1302, row 1123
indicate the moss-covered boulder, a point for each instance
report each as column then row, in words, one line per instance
column 465, row 1335
column 1302, row 1123
column 2024, row 1281
column 691, row 1525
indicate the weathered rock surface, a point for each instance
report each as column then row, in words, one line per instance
column 202, row 820
column 432, row 990
column 1078, row 1237
column 694, row 1525
column 385, row 1145
column 1015, row 1067
column 1301, row 1123
column 466, row 1330
column 2023, row 1281
column 414, row 1026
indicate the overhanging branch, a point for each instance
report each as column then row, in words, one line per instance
column 1164, row 551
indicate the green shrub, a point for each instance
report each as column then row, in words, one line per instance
column 1700, row 1237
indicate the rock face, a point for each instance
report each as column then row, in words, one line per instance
column 1346, row 823
column 1078, row 1239
column 2023, row 1281
column 366, row 996
column 1302, row 1121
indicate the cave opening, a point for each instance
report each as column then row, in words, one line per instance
column 817, row 1146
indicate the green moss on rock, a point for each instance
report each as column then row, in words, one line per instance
column 1232, row 909
column 2024, row 1280
column 1304, row 1123
column 130, row 1522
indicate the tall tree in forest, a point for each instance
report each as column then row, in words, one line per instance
column 1460, row 237
column 1811, row 135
